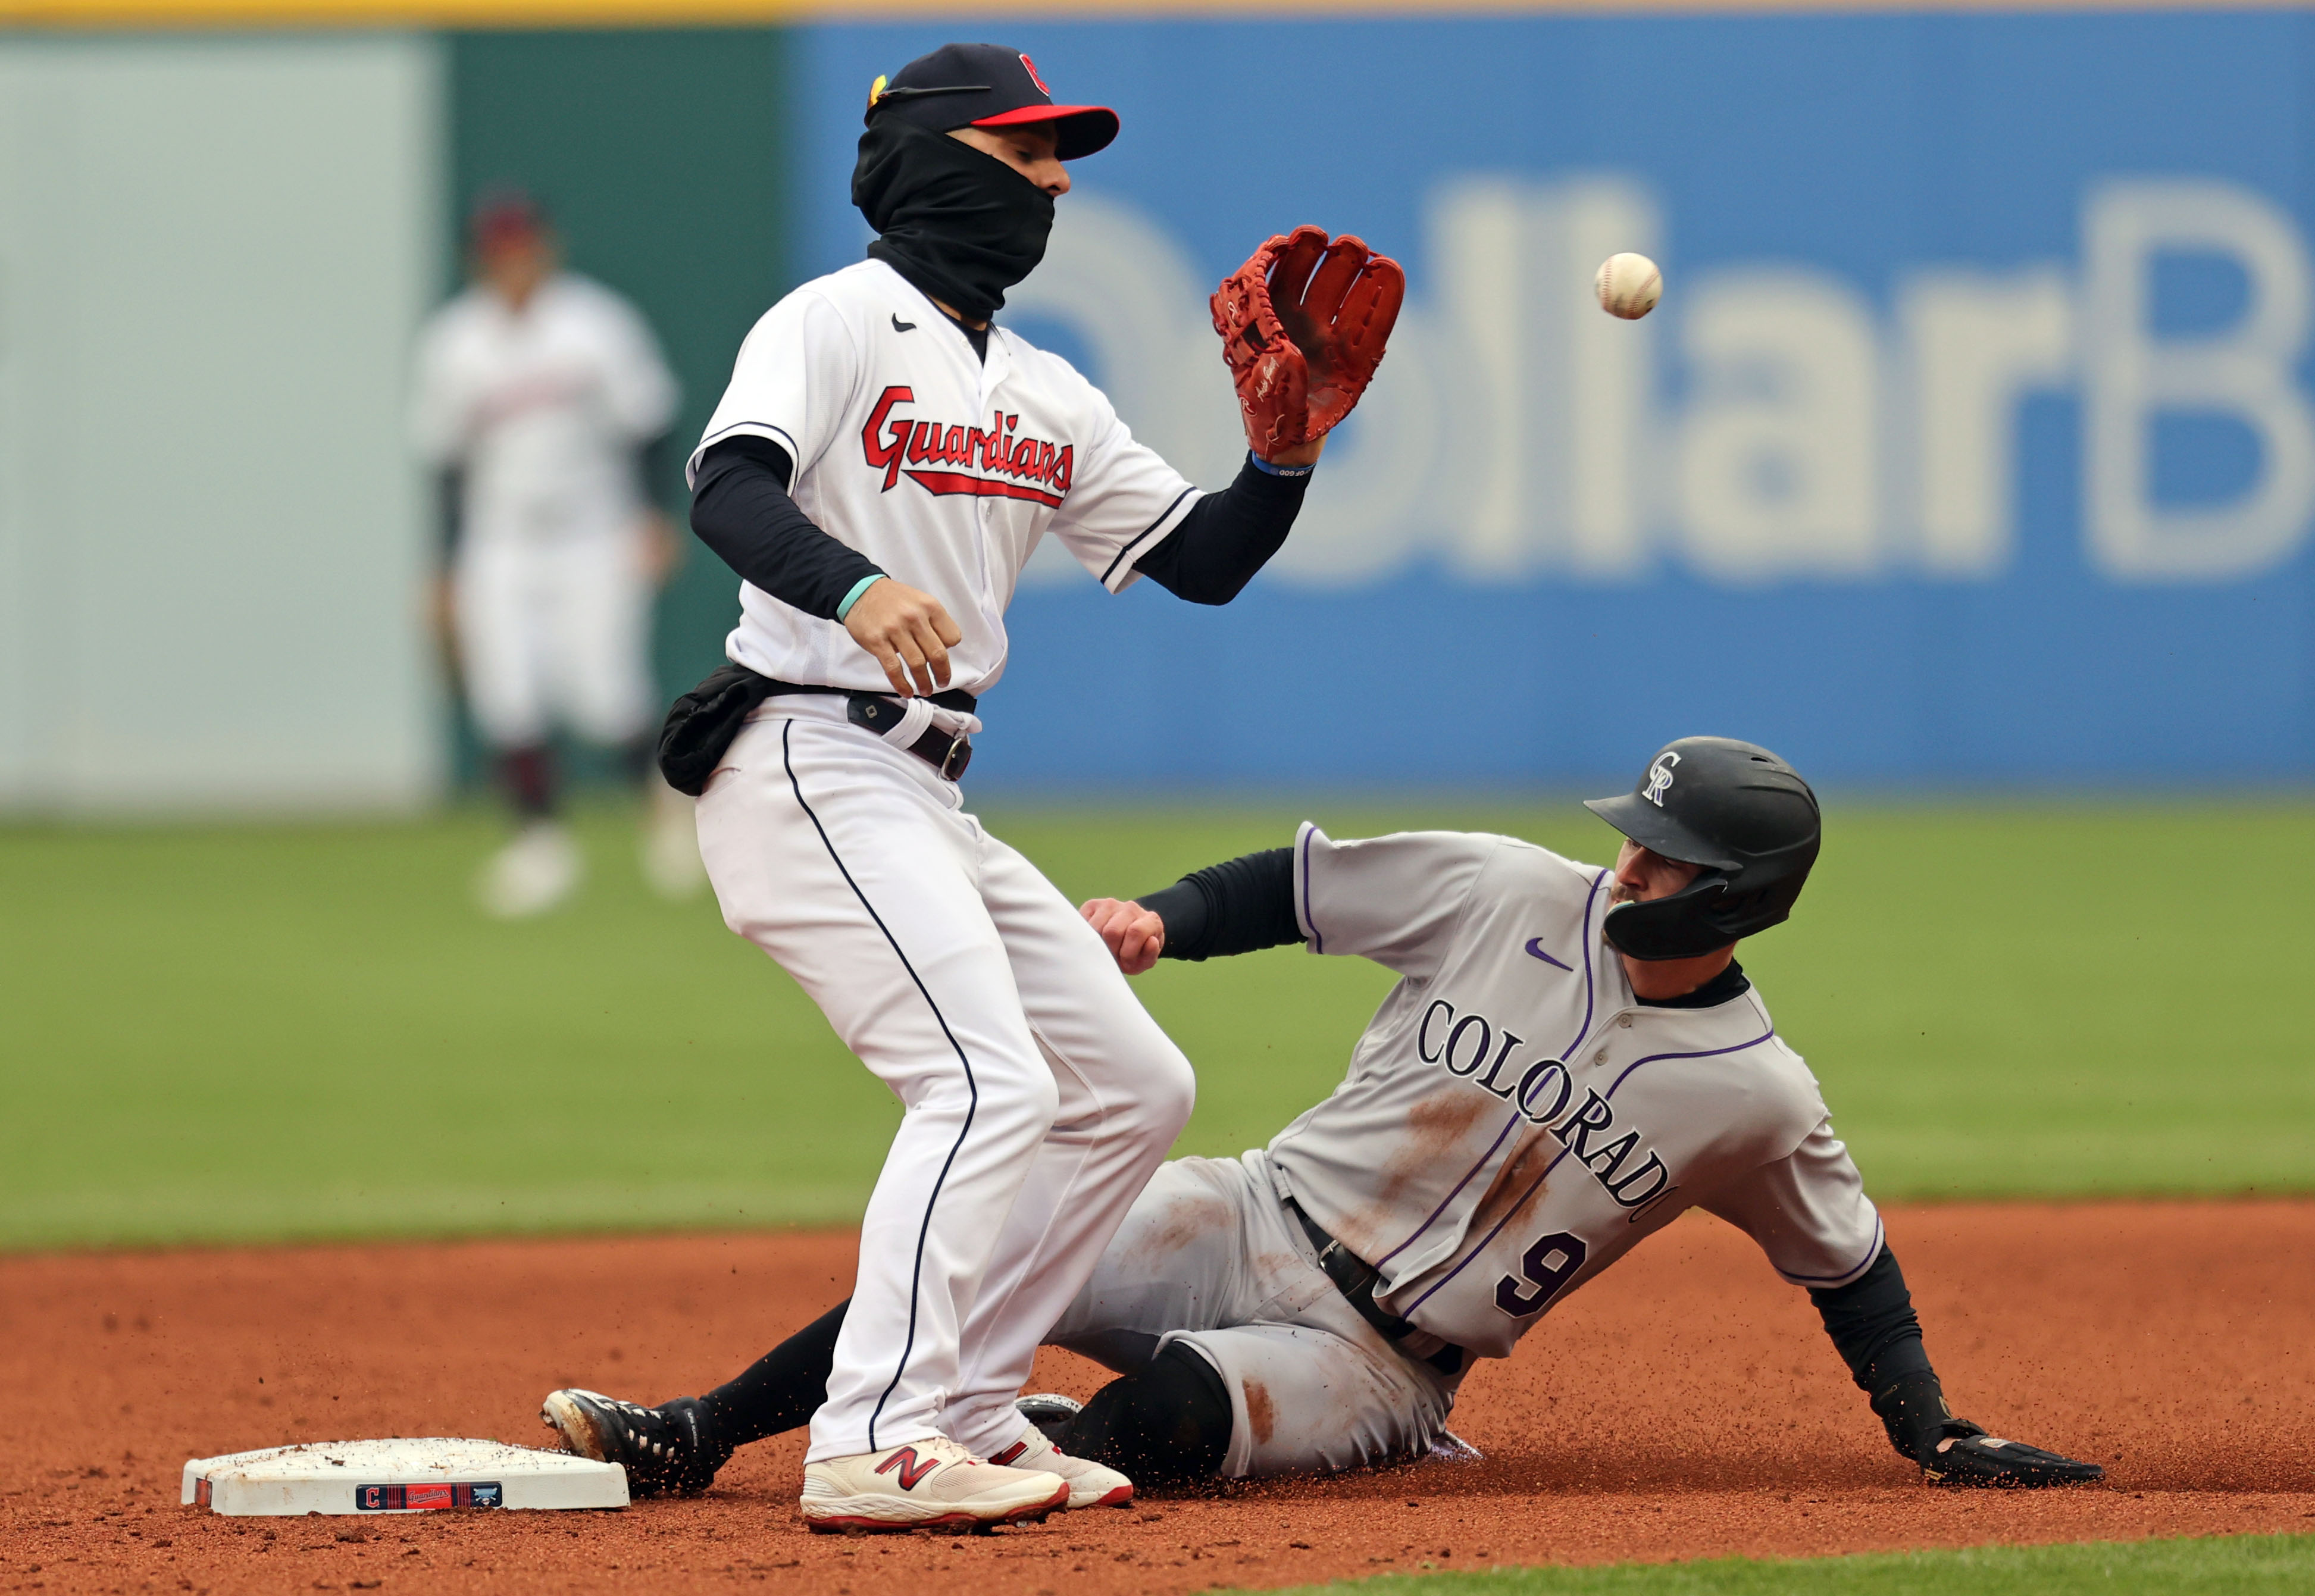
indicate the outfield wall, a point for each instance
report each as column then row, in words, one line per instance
column 1973, row 443
column 213, row 253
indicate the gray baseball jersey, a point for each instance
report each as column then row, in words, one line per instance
column 1514, row 1120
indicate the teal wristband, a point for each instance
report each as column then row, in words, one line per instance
column 852, row 598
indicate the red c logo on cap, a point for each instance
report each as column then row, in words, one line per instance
column 1033, row 78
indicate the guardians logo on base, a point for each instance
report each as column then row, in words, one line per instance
column 422, row 1498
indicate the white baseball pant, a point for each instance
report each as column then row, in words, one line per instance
column 1211, row 1257
column 1039, row 1095
column 556, row 630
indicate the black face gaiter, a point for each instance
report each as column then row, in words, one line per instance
column 956, row 222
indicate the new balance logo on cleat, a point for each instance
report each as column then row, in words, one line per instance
column 914, row 1469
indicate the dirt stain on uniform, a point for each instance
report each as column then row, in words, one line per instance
column 1261, row 1417
column 1184, row 1223
column 1509, row 1190
column 1436, row 1129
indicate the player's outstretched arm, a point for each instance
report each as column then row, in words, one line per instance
column 1303, row 324
column 1226, row 537
column 1874, row 1326
column 1235, row 907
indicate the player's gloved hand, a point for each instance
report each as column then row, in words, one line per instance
column 906, row 632
column 1303, row 326
column 1135, row 935
column 1954, row 1451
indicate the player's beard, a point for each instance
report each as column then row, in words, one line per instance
column 956, row 221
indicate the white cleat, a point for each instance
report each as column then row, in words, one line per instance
column 932, row 1483
column 1091, row 1485
column 533, row 874
column 670, row 848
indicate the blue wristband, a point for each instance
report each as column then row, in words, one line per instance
column 1266, row 468
column 852, row 598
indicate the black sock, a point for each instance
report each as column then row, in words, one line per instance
column 780, row 1390
column 1169, row 1424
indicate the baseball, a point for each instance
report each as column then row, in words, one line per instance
column 1628, row 286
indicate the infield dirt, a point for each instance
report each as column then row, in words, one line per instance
column 1685, row 1405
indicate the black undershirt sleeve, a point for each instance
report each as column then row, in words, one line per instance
column 1873, row 1327
column 1236, row 907
column 1214, row 551
column 740, row 508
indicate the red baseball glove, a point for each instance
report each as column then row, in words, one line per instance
column 1303, row 326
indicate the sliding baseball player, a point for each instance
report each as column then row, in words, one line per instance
column 1572, row 1058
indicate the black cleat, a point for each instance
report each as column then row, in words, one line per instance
column 1969, row 1457
column 666, row 1450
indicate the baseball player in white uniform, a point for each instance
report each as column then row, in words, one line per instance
column 881, row 467
column 1572, row 1058
column 536, row 390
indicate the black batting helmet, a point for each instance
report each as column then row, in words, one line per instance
column 1732, row 807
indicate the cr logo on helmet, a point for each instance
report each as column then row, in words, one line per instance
column 1660, row 776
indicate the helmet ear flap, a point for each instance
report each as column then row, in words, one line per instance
column 1701, row 917
column 1755, row 911
column 1680, row 926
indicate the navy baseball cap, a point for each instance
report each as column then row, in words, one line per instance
column 987, row 85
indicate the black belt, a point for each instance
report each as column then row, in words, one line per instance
column 1355, row 1280
column 948, row 753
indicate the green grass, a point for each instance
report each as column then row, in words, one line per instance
column 225, row 1031
column 2218, row 1565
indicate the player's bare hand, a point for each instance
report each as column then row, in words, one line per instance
column 906, row 632
column 1135, row 936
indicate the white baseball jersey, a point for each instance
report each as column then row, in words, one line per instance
column 542, row 408
column 941, row 468
column 1514, row 1120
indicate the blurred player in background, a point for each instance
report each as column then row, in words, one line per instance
column 536, row 392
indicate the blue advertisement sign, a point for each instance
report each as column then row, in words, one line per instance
column 1972, row 443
